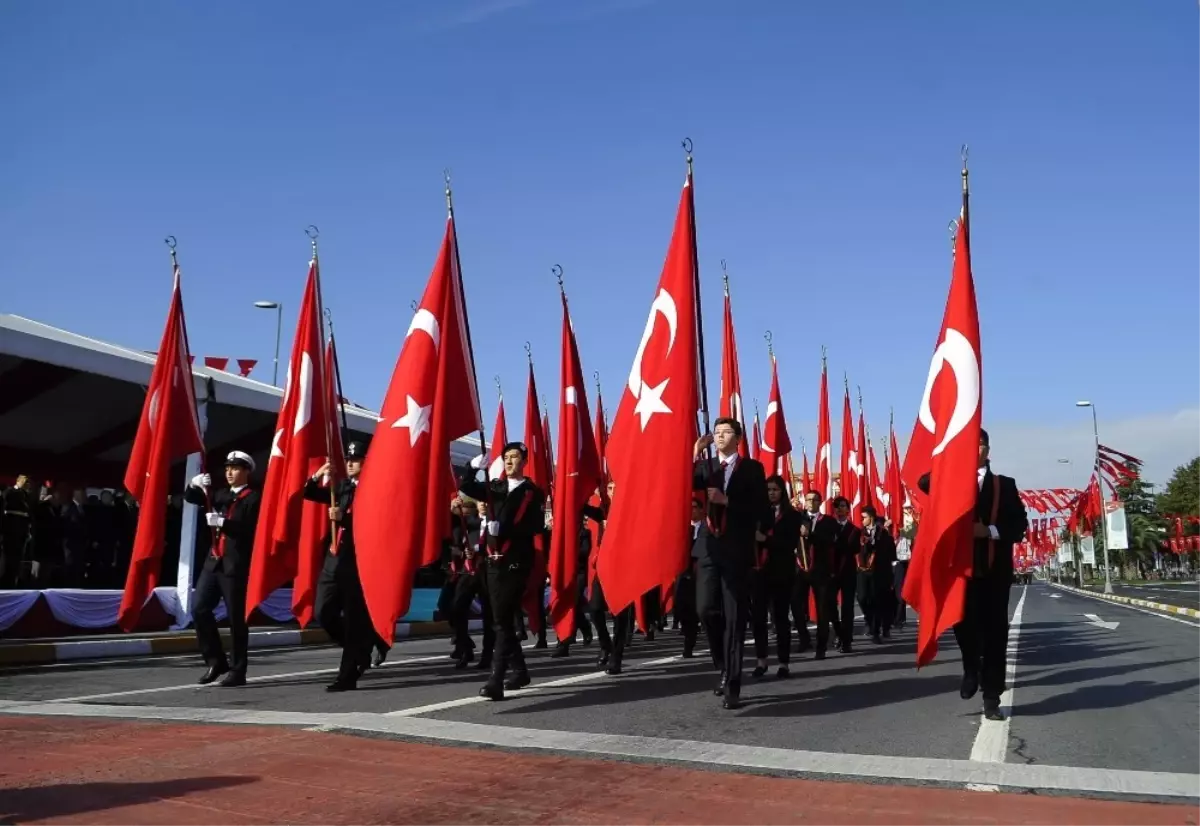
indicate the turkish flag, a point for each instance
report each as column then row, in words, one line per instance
column 824, row 475
column 401, row 509
column 537, row 469
column 755, row 436
column 805, row 481
column 731, row 379
column 650, row 454
column 301, row 443
column 314, row 516
column 945, row 444
column 894, row 485
column 548, row 441
column 775, row 441
column 873, row 487
column 848, row 480
column 168, row 430
column 499, row 440
column 578, row 474
column 600, row 499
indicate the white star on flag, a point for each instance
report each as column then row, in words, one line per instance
column 416, row 419
column 650, row 402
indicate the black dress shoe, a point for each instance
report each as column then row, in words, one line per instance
column 970, row 684
column 614, row 668
column 561, row 650
column 587, row 639
column 991, row 710
column 820, row 655
column 602, row 660
column 341, row 685
column 783, row 673
column 541, row 643
column 877, row 639
column 214, row 671
column 378, row 656
column 466, row 659
column 759, row 672
column 485, row 663
column 517, row 681
column 232, row 679
column 493, row 691
column 720, row 690
column 687, row 654
column 732, row 699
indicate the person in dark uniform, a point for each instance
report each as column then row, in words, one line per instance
column 515, row 507
column 772, row 580
column 340, row 606
column 846, row 544
column 685, row 586
column 806, row 557
column 464, row 582
column 580, row 609
column 738, row 514
column 234, row 517
column 875, row 576
column 16, row 535
column 982, row 636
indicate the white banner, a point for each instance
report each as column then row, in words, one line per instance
column 1065, row 552
column 1114, row 526
column 1087, row 546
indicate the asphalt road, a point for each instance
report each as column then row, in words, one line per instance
column 1110, row 704
column 1179, row 594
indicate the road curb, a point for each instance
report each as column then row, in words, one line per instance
column 184, row 642
column 1143, row 603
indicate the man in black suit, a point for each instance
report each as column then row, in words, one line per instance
column 1000, row 523
column 233, row 518
column 738, row 514
column 772, row 580
column 685, row 584
column 515, row 516
column 835, row 543
column 875, row 576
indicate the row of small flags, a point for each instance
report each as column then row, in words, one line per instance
column 222, row 362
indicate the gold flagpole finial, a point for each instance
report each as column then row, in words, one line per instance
column 449, row 193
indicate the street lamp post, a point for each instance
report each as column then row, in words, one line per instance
column 1076, row 554
column 278, row 307
column 1103, row 512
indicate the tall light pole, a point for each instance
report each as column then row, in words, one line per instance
column 1074, row 545
column 278, row 307
column 1100, row 486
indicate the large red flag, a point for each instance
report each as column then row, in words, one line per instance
column 848, row 475
column 731, row 378
column 537, row 469
column 548, row 441
column 775, row 441
column 805, row 481
column 578, row 473
column 168, row 430
column 299, row 448
column 756, row 436
column 862, row 486
column 874, row 492
column 894, row 485
column 601, row 499
column 499, row 440
column 401, row 508
column 650, row 455
column 945, row 444
column 824, row 462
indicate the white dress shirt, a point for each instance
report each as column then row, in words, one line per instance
column 991, row 528
column 728, row 463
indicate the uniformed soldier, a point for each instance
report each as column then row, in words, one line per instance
column 340, row 606
column 233, row 517
column 875, row 576
column 772, row 580
column 515, row 517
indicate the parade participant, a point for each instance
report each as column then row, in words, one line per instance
column 580, row 610
column 463, row 581
column 875, row 576
column 772, row 580
column 847, row 543
column 982, row 635
column 685, row 585
column 737, row 514
column 905, row 535
column 340, row 606
column 611, row 647
column 226, row 572
column 805, row 559
column 16, row 535
column 515, row 518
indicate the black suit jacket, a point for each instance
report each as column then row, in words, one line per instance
column 520, row 513
column 747, row 512
column 1011, row 522
column 878, row 552
column 782, row 539
column 241, row 521
column 343, row 492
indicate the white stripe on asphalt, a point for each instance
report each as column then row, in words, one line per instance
column 1011, row 776
column 1130, row 607
column 991, row 742
column 520, row 692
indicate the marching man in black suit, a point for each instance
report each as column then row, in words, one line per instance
column 773, row 578
column 515, row 516
column 233, row 518
column 738, row 514
column 875, row 576
column 1000, row 523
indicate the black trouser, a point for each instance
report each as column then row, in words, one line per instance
column 685, row 607
column 801, row 587
column 466, row 586
column 722, row 597
column 652, row 608
column 900, row 572
column 506, row 585
column 827, row 609
column 342, row 611
column 875, row 597
column 213, row 586
column 598, row 608
column 771, row 593
column 580, row 610
column 983, row 633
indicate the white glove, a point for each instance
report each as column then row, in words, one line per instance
column 202, row 480
column 215, row 520
column 493, row 528
column 478, row 462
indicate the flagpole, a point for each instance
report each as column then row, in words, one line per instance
column 466, row 320
column 337, row 370
column 687, row 148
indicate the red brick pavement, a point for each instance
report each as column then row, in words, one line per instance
column 58, row 770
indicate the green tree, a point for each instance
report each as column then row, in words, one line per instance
column 1183, row 491
column 1146, row 525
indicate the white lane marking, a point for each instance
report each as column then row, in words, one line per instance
column 265, row 678
column 149, row 659
column 520, row 692
column 1133, row 608
column 1095, row 620
column 1018, row 776
column 991, row 742
column 1056, row 596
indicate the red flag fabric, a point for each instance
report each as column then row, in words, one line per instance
column 401, row 510
column 245, row 366
column 874, row 487
column 168, row 430
column 805, row 481
column 650, row 454
column 299, row 448
column 578, row 474
column 756, row 438
column 731, row 379
column 600, row 500
column 850, row 468
column 537, row 468
column 548, row 441
column 824, row 461
column 895, row 486
column 945, row 444
column 216, row 362
column 775, row 441
column 499, row 440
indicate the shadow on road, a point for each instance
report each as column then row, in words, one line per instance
column 66, row 799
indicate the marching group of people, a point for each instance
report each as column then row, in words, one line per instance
column 755, row 560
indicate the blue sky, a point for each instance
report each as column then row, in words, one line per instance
column 827, row 139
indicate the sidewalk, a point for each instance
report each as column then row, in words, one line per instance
column 69, row 649
column 1123, row 600
column 88, row 771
